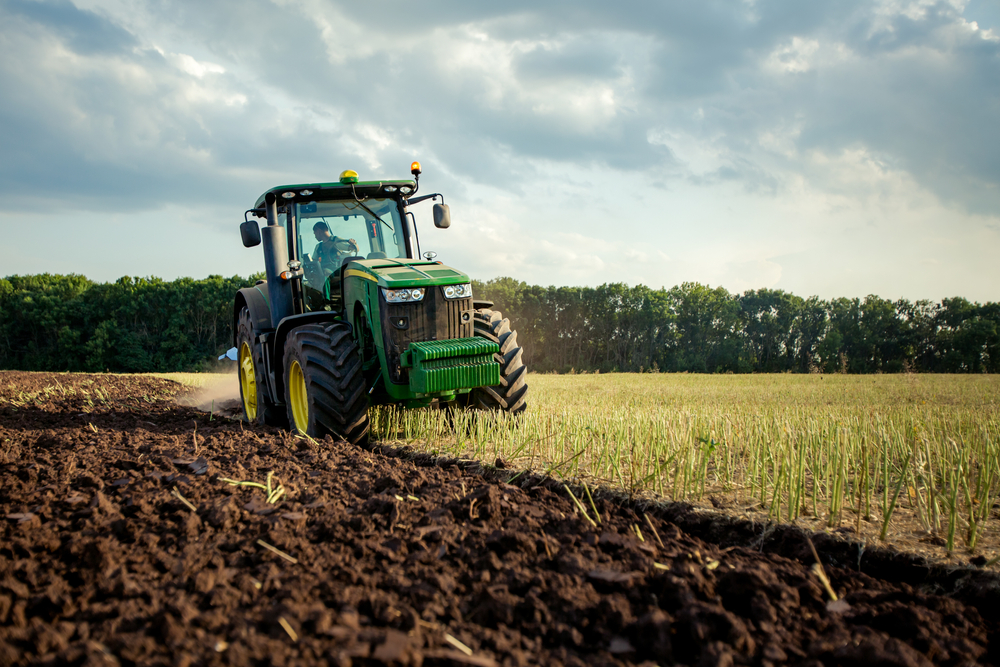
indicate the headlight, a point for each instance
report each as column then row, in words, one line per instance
column 407, row 295
column 458, row 291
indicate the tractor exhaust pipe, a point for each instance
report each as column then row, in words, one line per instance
column 279, row 292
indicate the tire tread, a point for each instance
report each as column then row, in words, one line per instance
column 511, row 394
column 335, row 384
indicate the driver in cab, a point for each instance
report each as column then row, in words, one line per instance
column 331, row 249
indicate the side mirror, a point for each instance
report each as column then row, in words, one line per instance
column 442, row 216
column 250, row 233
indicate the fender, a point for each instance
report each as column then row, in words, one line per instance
column 277, row 343
column 255, row 300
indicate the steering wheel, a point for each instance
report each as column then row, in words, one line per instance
column 345, row 246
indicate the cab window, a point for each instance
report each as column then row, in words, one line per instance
column 331, row 231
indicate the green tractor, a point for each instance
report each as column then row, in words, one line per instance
column 351, row 315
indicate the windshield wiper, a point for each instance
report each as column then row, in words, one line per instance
column 376, row 215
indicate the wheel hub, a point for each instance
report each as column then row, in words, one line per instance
column 248, row 381
column 298, row 397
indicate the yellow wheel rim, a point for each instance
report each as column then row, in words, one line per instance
column 298, row 397
column 248, row 381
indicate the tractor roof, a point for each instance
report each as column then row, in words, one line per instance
column 304, row 192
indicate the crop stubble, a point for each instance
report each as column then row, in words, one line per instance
column 370, row 559
column 908, row 460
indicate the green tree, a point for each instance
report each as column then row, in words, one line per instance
column 767, row 320
column 707, row 325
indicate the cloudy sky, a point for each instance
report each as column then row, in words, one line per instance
column 835, row 148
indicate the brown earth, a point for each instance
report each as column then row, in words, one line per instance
column 368, row 557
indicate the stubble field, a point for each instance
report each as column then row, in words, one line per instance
column 911, row 461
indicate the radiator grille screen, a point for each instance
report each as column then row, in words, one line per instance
column 433, row 318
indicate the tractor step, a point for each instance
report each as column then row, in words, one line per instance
column 446, row 365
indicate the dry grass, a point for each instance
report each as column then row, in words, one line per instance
column 877, row 455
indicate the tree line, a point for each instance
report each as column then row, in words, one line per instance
column 133, row 325
column 69, row 323
column 696, row 328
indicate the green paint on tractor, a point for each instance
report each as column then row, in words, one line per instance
column 448, row 365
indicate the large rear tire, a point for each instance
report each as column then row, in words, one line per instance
column 511, row 394
column 258, row 408
column 325, row 389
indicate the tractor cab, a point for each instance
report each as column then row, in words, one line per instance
column 326, row 225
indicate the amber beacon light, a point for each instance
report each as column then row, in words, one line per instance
column 415, row 168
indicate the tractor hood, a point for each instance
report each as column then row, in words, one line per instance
column 396, row 273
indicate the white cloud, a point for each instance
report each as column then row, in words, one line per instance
column 699, row 154
column 782, row 139
column 186, row 63
column 795, row 57
column 477, row 63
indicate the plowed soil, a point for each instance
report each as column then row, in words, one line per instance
column 121, row 543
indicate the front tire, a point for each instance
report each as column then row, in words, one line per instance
column 325, row 390
column 511, row 394
column 258, row 408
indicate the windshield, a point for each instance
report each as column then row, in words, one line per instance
column 331, row 231
column 325, row 227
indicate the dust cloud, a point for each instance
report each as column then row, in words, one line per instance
column 217, row 392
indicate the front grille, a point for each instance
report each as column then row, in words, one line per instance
column 433, row 318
